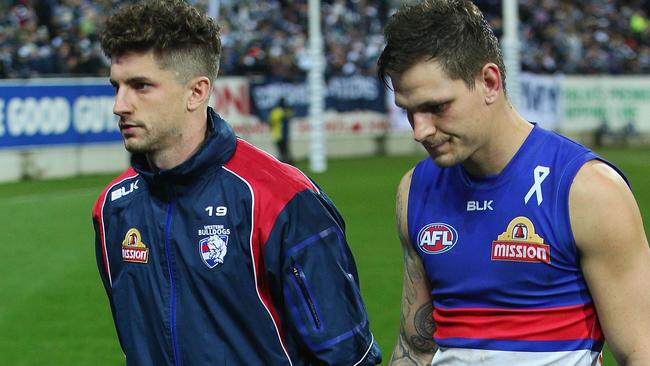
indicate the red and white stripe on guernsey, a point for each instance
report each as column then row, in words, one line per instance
column 272, row 185
column 98, row 215
column 545, row 324
column 472, row 356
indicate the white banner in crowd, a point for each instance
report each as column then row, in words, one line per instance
column 42, row 112
column 588, row 101
column 573, row 104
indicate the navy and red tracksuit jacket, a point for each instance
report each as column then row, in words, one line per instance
column 231, row 258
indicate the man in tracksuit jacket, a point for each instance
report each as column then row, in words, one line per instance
column 211, row 251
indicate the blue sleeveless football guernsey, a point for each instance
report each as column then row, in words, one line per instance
column 499, row 253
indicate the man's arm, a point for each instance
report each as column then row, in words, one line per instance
column 415, row 345
column 320, row 284
column 615, row 259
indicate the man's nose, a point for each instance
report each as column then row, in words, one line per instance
column 122, row 105
column 423, row 126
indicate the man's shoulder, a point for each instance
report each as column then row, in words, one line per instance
column 121, row 186
column 266, row 174
column 560, row 153
column 425, row 174
column 554, row 141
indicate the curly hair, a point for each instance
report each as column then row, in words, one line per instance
column 451, row 32
column 181, row 38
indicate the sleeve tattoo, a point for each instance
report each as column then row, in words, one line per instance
column 409, row 352
column 414, row 346
column 424, row 326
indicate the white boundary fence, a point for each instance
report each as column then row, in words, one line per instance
column 37, row 124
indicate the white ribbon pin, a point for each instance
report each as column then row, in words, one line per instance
column 540, row 173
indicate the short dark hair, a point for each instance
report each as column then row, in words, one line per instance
column 181, row 37
column 451, row 32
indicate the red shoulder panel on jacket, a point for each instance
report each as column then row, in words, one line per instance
column 98, row 215
column 273, row 184
column 129, row 173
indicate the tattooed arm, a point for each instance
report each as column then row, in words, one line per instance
column 415, row 345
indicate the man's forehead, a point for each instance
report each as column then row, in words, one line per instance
column 135, row 58
column 425, row 81
column 134, row 64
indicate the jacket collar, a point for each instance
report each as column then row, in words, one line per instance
column 216, row 150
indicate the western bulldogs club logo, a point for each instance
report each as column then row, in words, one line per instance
column 437, row 238
column 213, row 249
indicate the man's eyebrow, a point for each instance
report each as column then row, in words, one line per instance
column 132, row 80
column 430, row 104
column 425, row 104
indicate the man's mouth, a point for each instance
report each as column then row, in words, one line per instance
column 124, row 125
column 127, row 127
column 436, row 144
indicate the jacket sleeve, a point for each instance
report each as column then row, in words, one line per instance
column 319, row 284
column 101, row 265
column 99, row 256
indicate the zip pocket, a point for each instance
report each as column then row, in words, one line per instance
column 298, row 276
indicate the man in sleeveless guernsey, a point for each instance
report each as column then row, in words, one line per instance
column 211, row 251
column 521, row 247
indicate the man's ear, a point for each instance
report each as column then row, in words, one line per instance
column 199, row 89
column 490, row 81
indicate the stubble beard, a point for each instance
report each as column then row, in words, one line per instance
column 444, row 160
column 140, row 144
column 150, row 141
column 135, row 148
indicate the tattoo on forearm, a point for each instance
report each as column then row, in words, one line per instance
column 424, row 327
column 415, row 345
column 417, row 350
column 401, row 355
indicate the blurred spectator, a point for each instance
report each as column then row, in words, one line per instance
column 280, row 118
column 601, row 132
column 584, row 36
column 58, row 37
column 40, row 38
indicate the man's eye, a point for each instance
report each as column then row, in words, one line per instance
column 140, row 86
column 438, row 108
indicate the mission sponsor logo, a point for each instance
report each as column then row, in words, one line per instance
column 133, row 249
column 437, row 238
column 520, row 243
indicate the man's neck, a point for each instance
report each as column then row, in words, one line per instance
column 189, row 142
column 507, row 135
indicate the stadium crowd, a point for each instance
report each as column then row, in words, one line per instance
column 41, row 38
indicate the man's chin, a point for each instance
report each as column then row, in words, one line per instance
column 444, row 160
column 134, row 148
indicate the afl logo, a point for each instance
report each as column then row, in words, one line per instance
column 437, row 238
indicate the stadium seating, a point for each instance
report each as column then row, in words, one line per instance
column 40, row 38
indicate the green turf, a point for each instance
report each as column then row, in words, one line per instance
column 53, row 309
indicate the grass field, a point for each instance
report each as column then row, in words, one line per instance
column 53, row 309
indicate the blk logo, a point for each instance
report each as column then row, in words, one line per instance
column 479, row 205
column 123, row 191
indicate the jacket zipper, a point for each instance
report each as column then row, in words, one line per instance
column 297, row 275
column 172, row 284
